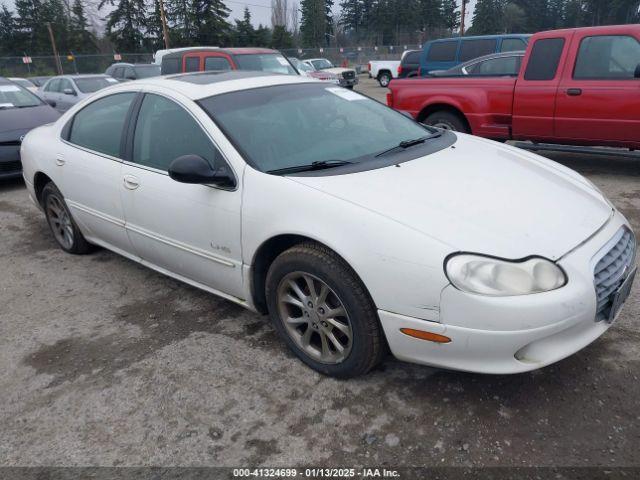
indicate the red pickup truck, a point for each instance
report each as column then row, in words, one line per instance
column 575, row 87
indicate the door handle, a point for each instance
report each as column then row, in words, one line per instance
column 131, row 182
column 59, row 160
column 574, row 92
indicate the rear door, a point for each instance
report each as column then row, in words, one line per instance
column 599, row 95
column 534, row 99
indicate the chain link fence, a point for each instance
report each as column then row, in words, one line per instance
column 355, row 57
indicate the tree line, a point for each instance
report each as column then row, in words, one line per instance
column 135, row 25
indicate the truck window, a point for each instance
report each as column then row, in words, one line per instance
column 544, row 59
column 191, row 64
column 443, row 51
column 412, row 57
column 612, row 57
column 216, row 63
column 512, row 45
column 476, row 48
column 170, row 65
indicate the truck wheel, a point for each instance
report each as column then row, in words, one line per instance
column 384, row 78
column 447, row 121
column 323, row 312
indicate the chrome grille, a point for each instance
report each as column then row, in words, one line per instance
column 611, row 270
column 349, row 75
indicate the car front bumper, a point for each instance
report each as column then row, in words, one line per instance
column 348, row 82
column 10, row 166
column 502, row 335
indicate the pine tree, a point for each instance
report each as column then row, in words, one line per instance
column 281, row 38
column 180, row 20
column 352, row 15
column 314, row 26
column 210, row 22
column 126, row 24
column 450, row 15
column 81, row 40
column 244, row 34
column 488, row 18
column 9, row 39
column 262, row 36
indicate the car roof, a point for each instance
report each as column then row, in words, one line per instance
column 229, row 51
column 82, row 75
column 483, row 37
column 199, row 85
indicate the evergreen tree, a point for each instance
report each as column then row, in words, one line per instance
column 281, row 38
column 126, row 24
column 450, row 15
column 488, row 18
column 9, row 40
column 352, row 15
column 81, row 40
column 262, row 36
column 210, row 22
column 155, row 37
column 244, row 33
column 180, row 21
column 315, row 22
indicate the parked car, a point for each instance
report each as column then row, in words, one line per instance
column 447, row 53
column 268, row 206
column 386, row 70
column 494, row 65
column 20, row 111
column 26, row 83
column 201, row 59
column 347, row 76
column 409, row 64
column 39, row 81
column 307, row 71
column 575, row 87
column 64, row 91
column 125, row 72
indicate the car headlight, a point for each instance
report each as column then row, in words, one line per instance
column 497, row 277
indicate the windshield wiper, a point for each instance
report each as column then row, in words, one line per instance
column 318, row 165
column 410, row 143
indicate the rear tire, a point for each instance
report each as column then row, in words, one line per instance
column 384, row 79
column 312, row 293
column 64, row 228
column 447, row 121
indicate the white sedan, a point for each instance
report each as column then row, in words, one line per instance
column 356, row 229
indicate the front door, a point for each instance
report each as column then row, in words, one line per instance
column 599, row 97
column 189, row 230
column 90, row 166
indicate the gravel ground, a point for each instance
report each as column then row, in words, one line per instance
column 105, row 362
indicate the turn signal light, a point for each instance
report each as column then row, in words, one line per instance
column 422, row 335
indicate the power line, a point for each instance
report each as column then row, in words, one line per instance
column 249, row 4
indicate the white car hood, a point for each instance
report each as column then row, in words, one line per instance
column 337, row 70
column 479, row 197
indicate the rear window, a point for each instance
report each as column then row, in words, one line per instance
column 512, row 45
column 90, row 85
column 544, row 59
column 191, row 64
column 170, row 65
column 476, row 48
column 411, row 57
column 146, row 71
column 443, row 51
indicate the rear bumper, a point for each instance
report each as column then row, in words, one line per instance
column 503, row 335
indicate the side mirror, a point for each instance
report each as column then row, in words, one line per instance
column 51, row 102
column 195, row 169
column 69, row 91
column 636, row 74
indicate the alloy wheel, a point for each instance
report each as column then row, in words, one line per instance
column 60, row 221
column 314, row 317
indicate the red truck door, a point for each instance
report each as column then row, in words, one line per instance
column 534, row 99
column 599, row 96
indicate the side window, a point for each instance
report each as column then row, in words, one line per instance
column 165, row 131
column 117, row 72
column 216, row 63
column 443, row 51
column 98, row 126
column 170, row 65
column 512, row 45
column 613, row 57
column 65, row 84
column 471, row 49
column 53, row 85
column 498, row 66
column 129, row 73
column 191, row 64
column 412, row 57
column 544, row 59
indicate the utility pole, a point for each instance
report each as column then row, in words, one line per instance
column 165, row 30
column 55, row 50
column 463, row 12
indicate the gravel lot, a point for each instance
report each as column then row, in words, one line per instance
column 105, row 362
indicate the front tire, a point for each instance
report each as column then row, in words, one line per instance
column 323, row 312
column 447, row 121
column 384, row 79
column 64, row 229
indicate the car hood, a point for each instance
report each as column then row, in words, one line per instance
column 479, row 196
column 337, row 70
column 15, row 122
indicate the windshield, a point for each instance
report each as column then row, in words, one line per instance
column 322, row 64
column 146, row 71
column 265, row 62
column 23, row 82
column 292, row 125
column 14, row 96
column 302, row 67
column 93, row 84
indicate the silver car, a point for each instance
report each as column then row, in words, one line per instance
column 66, row 90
